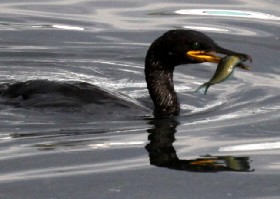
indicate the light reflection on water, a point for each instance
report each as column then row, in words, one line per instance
column 252, row 147
column 77, row 169
column 228, row 13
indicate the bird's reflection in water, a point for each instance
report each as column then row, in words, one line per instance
column 163, row 154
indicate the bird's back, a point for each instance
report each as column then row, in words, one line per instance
column 44, row 93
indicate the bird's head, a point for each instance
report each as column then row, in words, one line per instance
column 177, row 47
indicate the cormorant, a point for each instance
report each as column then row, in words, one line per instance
column 175, row 47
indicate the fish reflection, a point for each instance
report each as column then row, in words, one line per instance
column 163, row 154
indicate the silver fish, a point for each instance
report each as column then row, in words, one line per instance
column 223, row 71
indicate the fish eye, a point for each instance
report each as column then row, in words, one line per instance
column 196, row 46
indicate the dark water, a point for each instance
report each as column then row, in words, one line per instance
column 87, row 153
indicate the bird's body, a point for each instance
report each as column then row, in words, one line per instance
column 166, row 52
column 45, row 93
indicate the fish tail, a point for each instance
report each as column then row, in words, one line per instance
column 204, row 87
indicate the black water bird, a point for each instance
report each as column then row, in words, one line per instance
column 173, row 48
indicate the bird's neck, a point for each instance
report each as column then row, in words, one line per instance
column 161, row 88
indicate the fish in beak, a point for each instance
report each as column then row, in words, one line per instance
column 211, row 56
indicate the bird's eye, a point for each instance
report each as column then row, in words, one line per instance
column 170, row 53
column 196, row 46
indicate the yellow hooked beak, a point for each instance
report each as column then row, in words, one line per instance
column 203, row 56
